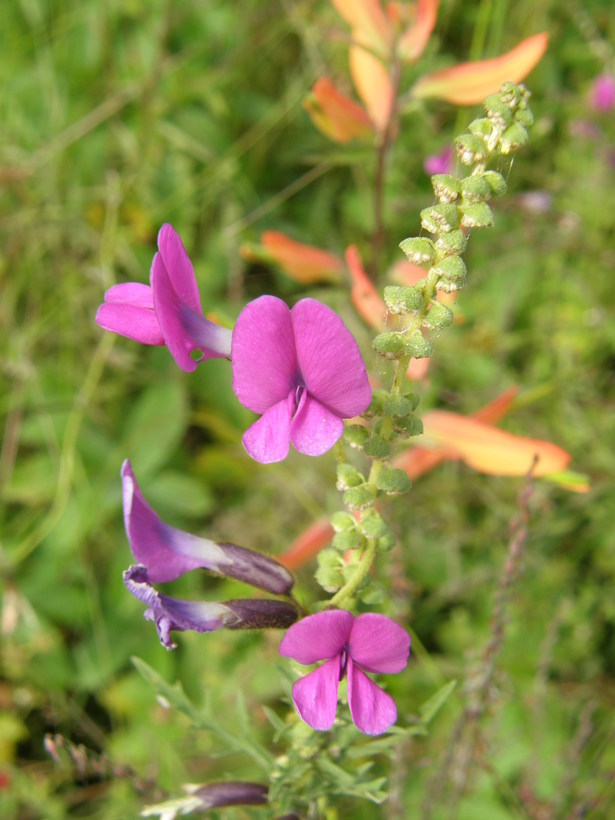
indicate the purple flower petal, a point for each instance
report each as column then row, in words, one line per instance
column 167, row 552
column 329, row 359
column 378, row 644
column 268, row 439
column 172, row 614
column 372, row 709
column 264, row 361
column 230, row 793
column 315, row 695
column 314, row 430
column 179, row 267
column 137, row 323
column 318, row 637
column 131, row 293
column 185, row 330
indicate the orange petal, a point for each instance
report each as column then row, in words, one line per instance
column 489, row 450
column 407, row 273
column 470, row 83
column 413, row 41
column 418, row 369
column 303, row 263
column 335, row 114
column 373, row 84
column 498, row 408
column 364, row 296
column 417, row 461
column 308, row 544
column 368, row 19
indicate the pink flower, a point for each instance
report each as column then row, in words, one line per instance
column 442, row 163
column 302, row 370
column 169, row 312
column 349, row 646
column 603, row 93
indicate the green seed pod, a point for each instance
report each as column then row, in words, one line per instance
column 386, row 543
column 446, row 187
column 329, row 572
column 413, row 399
column 356, row 435
column 378, row 399
column 414, row 426
column 343, row 522
column 478, row 215
column 418, row 250
column 496, row 182
column 393, row 482
column 403, row 299
column 349, row 540
column 524, row 116
column 391, row 345
column 417, row 345
column 451, row 269
column 348, row 476
column 358, row 498
column 440, row 218
column 475, row 188
column 377, row 447
column 398, row 406
column 451, row 243
column 497, row 111
column 438, row 317
column 373, row 524
column 514, row 137
column 471, row 149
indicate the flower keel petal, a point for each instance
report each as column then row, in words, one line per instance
column 314, row 430
column 372, row 709
column 315, row 695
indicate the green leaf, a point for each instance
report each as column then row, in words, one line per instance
column 432, row 706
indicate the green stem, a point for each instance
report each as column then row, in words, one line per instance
column 357, row 578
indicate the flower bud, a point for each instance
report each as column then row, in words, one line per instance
column 377, row 447
column 418, row 250
column 343, row 541
column 358, row 498
column 343, row 522
column 438, row 316
column 514, row 137
column 496, row 182
column 475, row 188
column 261, row 613
column 231, row 793
column 356, row 435
column 471, row 149
column 391, row 345
column 403, row 299
column 399, row 406
column 524, row 116
column 451, row 243
column 477, row 215
column 417, row 345
column 446, row 187
column 440, row 218
column 497, row 111
column 329, row 572
column 452, row 269
column 373, row 524
column 393, row 482
column 348, row 476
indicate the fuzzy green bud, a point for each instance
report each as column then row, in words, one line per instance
column 497, row 111
column 452, row 271
column 387, row 542
column 513, row 137
column 358, row 498
column 524, row 117
column 377, row 447
column 403, row 299
column 511, row 94
column 398, row 406
column 378, row 399
column 419, row 250
column 391, row 345
column 438, row 316
column 343, row 522
column 349, row 540
column 348, row 476
column 373, row 524
column 440, row 218
column 452, row 243
column 446, row 187
column 496, row 182
column 329, row 572
column 471, row 149
column 475, row 188
column 356, row 435
column 417, row 345
column 393, row 482
column 477, row 215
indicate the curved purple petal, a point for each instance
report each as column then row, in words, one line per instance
column 137, row 323
column 268, row 439
column 172, row 614
column 131, row 293
column 372, row 709
column 314, row 429
column 378, row 644
column 315, row 695
column 264, row 361
column 330, row 360
column 318, row 637
column 185, row 330
column 179, row 267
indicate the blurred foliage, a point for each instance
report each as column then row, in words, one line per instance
column 116, row 117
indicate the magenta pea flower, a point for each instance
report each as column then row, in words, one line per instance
column 302, row 371
column 167, row 552
column 177, row 615
column 442, row 163
column 168, row 312
column 603, row 93
column 350, row 647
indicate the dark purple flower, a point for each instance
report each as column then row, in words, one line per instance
column 167, row 552
column 169, row 311
column 302, row 370
column 350, row 646
column 175, row 615
column 231, row 793
column 603, row 93
column 442, row 163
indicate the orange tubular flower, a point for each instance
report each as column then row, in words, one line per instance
column 412, row 42
column 306, row 264
column 336, row 115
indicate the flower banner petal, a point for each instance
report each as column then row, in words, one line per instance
column 315, row 695
column 378, row 644
column 179, row 267
column 372, row 709
column 318, row 637
column 469, row 83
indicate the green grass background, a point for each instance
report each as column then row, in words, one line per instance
column 117, row 117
